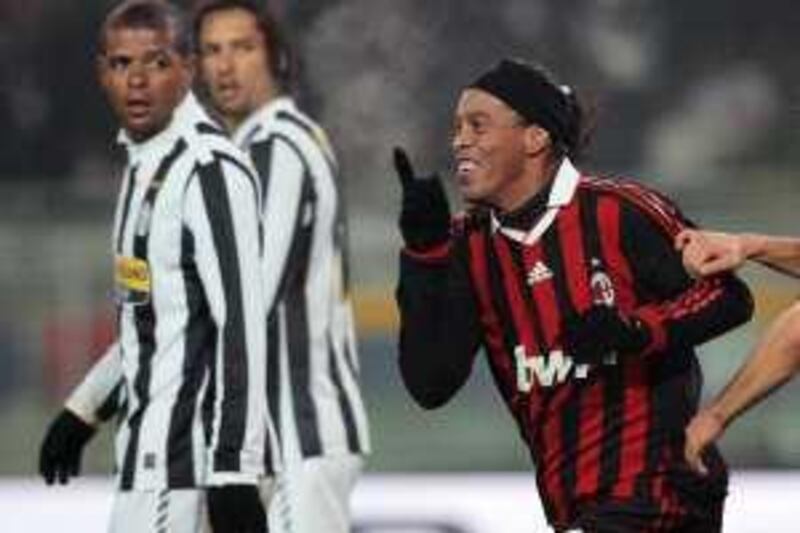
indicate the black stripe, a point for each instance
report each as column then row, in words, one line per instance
column 209, row 399
column 296, row 267
column 305, row 410
column 292, row 145
column 274, row 375
column 199, row 343
column 228, row 158
column 344, row 402
column 554, row 502
column 145, row 319
column 126, row 206
column 145, row 323
column 292, row 289
column 248, row 139
column 233, row 411
column 297, row 121
column 261, row 154
column 112, row 403
column 613, row 393
column 310, row 131
column 206, row 128
column 350, row 357
column 533, row 310
column 570, row 414
column 502, row 306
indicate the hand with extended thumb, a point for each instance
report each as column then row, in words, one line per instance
column 424, row 214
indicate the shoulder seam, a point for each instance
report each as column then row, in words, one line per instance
column 654, row 204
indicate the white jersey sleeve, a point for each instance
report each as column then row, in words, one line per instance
column 96, row 398
column 221, row 212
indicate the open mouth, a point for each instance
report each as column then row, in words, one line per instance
column 227, row 91
column 137, row 107
column 465, row 167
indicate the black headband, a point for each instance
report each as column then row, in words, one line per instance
column 529, row 92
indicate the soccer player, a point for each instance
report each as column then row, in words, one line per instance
column 190, row 345
column 572, row 285
column 776, row 357
column 313, row 377
column 313, row 385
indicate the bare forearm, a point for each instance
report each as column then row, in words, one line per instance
column 780, row 253
column 775, row 360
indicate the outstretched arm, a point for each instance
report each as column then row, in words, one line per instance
column 773, row 362
column 711, row 252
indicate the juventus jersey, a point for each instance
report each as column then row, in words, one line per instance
column 313, row 384
column 189, row 356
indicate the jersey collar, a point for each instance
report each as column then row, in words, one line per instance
column 247, row 130
column 186, row 115
column 564, row 185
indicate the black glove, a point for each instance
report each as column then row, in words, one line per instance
column 601, row 330
column 60, row 454
column 425, row 214
column 236, row 509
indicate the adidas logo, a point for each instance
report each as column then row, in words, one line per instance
column 539, row 272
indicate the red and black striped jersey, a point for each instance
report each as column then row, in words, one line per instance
column 597, row 433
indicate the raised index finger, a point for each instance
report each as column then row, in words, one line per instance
column 403, row 167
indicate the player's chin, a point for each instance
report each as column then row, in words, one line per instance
column 469, row 189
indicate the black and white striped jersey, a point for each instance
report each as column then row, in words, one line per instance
column 313, row 382
column 191, row 337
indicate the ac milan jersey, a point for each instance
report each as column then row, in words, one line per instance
column 611, row 431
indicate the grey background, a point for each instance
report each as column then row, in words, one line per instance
column 699, row 99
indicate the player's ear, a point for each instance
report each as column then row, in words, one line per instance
column 536, row 139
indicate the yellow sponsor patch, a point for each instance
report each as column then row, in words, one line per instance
column 131, row 274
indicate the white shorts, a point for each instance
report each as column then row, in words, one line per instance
column 159, row 511
column 313, row 495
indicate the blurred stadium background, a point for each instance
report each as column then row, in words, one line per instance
column 697, row 98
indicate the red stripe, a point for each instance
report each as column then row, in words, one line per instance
column 591, row 424
column 653, row 316
column 571, row 238
column 491, row 322
column 590, row 440
column 701, row 295
column 436, row 254
column 656, row 206
column 552, row 452
column 523, row 324
column 609, row 221
column 519, row 308
column 636, row 406
column 544, row 294
column 634, row 428
column 554, row 459
column 550, row 448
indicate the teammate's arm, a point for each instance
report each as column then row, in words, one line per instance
column 709, row 252
column 774, row 361
column 679, row 311
column 94, row 400
column 99, row 396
